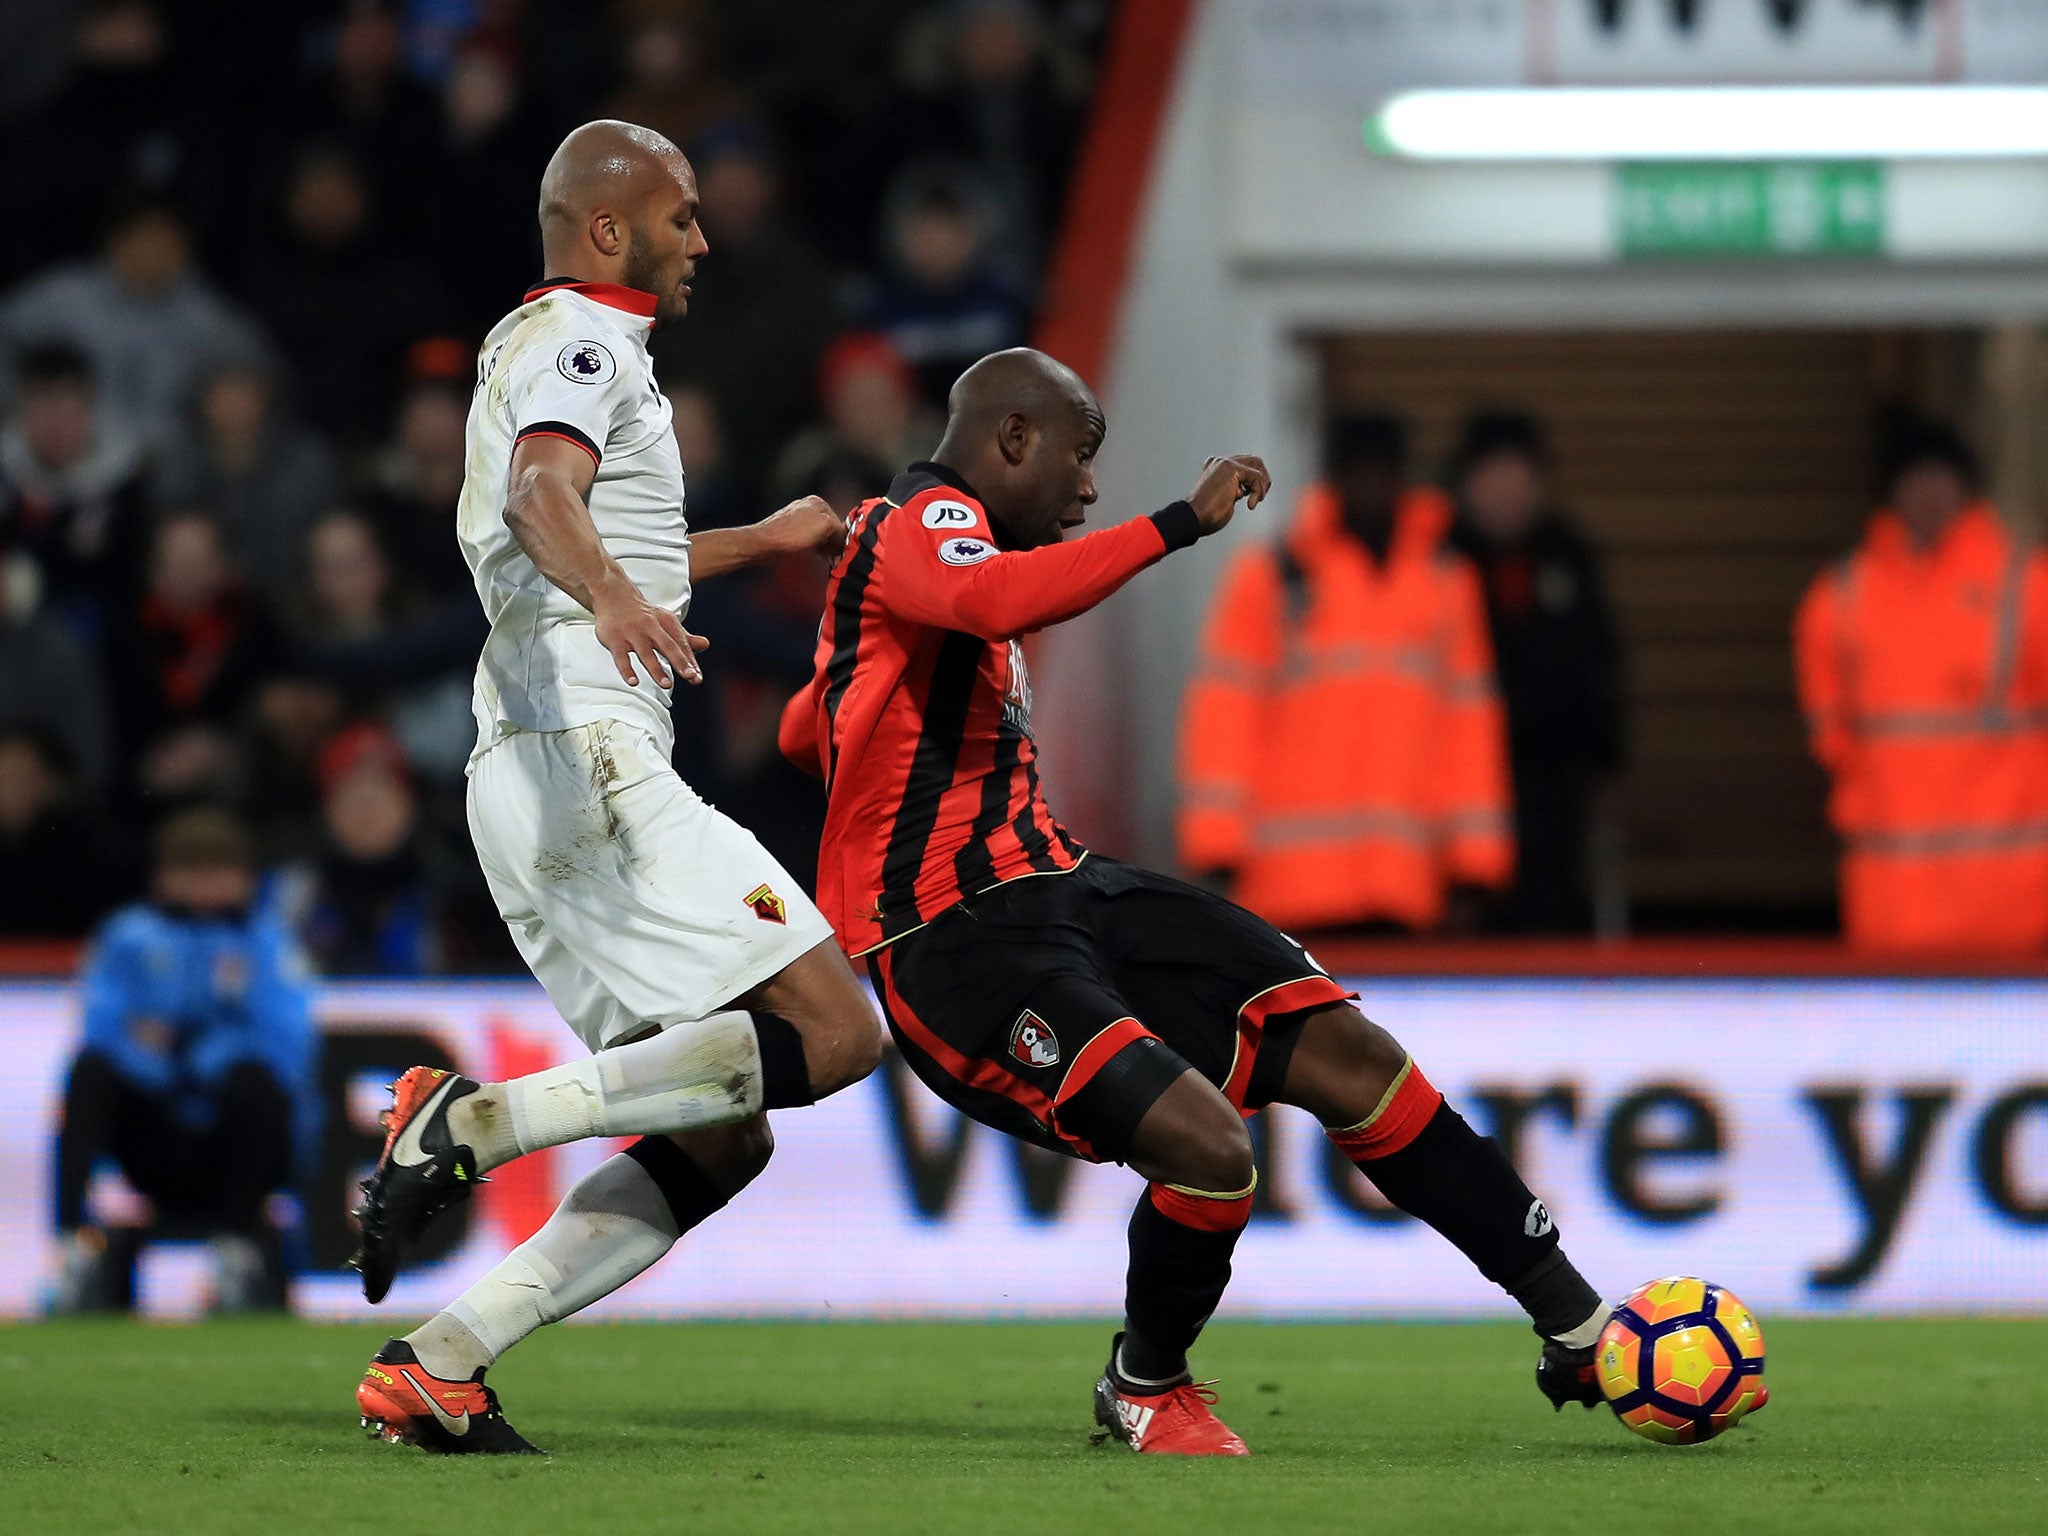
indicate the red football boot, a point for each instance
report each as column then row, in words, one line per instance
column 402, row 1402
column 1175, row 1422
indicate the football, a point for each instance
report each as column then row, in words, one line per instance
column 1682, row 1360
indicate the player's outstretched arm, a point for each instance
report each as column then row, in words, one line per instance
column 547, row 514
column 807, row 523
column 967, row 584
column 1224, row 482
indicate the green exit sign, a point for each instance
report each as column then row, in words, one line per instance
column 1739, row 208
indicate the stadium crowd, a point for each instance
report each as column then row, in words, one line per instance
column 237, row 338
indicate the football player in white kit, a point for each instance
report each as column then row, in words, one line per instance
column 707, row 986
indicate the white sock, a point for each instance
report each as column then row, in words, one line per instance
column 685, row 1078
column 1587, row 1334
column 612, row 1225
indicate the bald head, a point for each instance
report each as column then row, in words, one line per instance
column 1023, row 429
column 1021, row 381
column 618, row 204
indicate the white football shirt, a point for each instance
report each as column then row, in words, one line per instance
column 571, row 362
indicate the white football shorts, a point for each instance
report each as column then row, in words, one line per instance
column 633, row 901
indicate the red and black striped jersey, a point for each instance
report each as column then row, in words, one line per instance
column 918, row 715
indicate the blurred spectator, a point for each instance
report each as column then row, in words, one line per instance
column 57, row 875
column 115, row 120
column 294, row 715
column 35, row 53
column 339, row 296
column 715, row 499
column 994, row 100
column 492, row 150
column 872, row 428
column 1344, row 755
column 761, row 312
column 72, row 492
column 669, row 78
column 362, row 100
column 365, row 904
column 409, row 654
column 1557, row 656
column 264, row 473
column 1923, row 670
column 416, row 478
column 197, row 1074
column 141, row 312
column 49, row 682
column 191, row 659
column 943, row 302
column 348, row 581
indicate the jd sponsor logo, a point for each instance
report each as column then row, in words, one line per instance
column 949, row 514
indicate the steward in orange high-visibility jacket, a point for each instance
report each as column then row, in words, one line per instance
column 1343, row 751
column 1923, row 670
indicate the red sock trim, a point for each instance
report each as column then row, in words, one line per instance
column 1203, row 1212
column 1398, row 1120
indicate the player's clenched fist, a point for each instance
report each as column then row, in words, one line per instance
column 631, row 627
column 805, row 524
column 1223, row 483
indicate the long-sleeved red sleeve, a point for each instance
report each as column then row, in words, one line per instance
column 954, row 577
column 797, row 735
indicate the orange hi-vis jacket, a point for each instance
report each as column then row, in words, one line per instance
column 1343, row 749
column 1924, row 677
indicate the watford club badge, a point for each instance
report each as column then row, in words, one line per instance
column 768, row 906
column 1033, row 1042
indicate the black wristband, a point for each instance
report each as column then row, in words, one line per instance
column 1178, row 525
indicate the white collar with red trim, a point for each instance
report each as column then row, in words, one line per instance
column 612, row 295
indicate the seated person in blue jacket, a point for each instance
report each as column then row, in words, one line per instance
column 196, row 1071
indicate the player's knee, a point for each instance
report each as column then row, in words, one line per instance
column 1343, row 1066
column 1206, row 1147
column 748, row 1147
column 842, row 1037
column 1225, row 1161
column 730, row 1157
column 1378, row 1054
column 846, row 1051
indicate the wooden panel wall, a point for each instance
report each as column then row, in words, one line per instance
column 1718, row 471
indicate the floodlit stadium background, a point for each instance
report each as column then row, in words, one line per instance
column 1273, row 212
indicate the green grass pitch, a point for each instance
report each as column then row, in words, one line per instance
column 1873, row 1427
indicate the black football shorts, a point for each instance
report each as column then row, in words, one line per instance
column 1058, row 1007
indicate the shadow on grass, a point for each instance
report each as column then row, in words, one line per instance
column 798, row 1422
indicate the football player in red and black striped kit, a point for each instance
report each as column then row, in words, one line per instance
column 1066, row 998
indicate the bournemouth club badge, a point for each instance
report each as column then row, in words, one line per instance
column 768, row 906
column 1033, row 1042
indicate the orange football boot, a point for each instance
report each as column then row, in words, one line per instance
column 1175, row 1422
column 404, row 1403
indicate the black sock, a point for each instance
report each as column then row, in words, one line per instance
column 1177, row 1276
column 785, row 1075
column 1463, row 1185
column 690, row 1194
